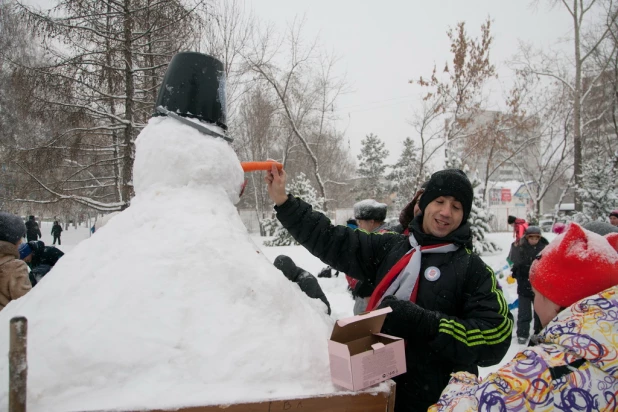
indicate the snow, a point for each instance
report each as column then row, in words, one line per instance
column 584, row 245
column 171, row 303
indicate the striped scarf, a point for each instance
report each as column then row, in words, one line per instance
column 402, row 279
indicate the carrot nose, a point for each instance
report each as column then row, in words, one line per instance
column 255, row 166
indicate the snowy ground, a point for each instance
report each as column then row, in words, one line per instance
column 334, row 288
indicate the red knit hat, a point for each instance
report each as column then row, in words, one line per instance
column 576, row 264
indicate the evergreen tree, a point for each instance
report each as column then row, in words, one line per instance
column 405, row 174
column 371, row 169
column 598, row 191
column 299, row 187
column 479, row 214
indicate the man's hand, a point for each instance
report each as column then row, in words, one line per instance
column 408, row 320
column 275, row 180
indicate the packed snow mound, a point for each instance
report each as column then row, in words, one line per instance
column 170, row 304
column 184, row 160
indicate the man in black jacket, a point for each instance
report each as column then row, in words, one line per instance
column 305, row 280
column 33, row 232
column 446, row 302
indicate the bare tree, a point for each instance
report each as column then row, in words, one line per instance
column 549, row 159
column 455, row 98
column 574, row 71
column 105, row 61
column 225, row 33
column 256, row 139
column 306, row 96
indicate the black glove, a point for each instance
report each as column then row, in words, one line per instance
column 326, row 273
column 408, row 320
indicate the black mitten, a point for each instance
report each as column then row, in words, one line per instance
column 408, row 320
column 325, row 273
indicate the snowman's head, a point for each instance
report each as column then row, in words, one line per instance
column 170, row 154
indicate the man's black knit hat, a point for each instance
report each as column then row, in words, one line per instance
column 449, row 182
column 12, row 228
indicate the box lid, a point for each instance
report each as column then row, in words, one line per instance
column 356, row 327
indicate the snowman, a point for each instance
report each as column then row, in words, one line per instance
column 171, row 304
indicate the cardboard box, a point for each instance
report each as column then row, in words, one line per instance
column 361, row 356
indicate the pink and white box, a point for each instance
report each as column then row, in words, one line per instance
column 361, row 356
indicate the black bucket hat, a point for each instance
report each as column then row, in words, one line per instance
column 194, row 86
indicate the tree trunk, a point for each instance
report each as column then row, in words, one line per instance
column 577, row 106
column 129, row 102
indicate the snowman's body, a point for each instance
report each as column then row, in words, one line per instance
column 170, row 304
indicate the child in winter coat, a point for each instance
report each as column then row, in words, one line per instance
column 574, row 365
column 529, row 247
column 519, row 227
column 14, row 281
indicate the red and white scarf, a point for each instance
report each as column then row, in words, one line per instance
column 402, row 279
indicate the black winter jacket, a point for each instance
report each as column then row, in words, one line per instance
column 473, row 325
column 32, row 230
column 522, row 256
column 56, row 230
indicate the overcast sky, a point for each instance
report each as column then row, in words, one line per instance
column 383, row 44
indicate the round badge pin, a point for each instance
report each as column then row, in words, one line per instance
column 432, row 273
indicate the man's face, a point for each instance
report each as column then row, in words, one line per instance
column 613, row 220
column 367, row 225
column 533, row 239
column 28, row 258
column 443, row 215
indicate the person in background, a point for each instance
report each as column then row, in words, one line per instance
column 305, row 280
column 370, row 216
column 40, row 258
column 558, row 228
column 352, row 223
column 445, row 300
column 529, row 247
column 613, row 218
column 519, row 227
column 573, row 364
column 600, row 228
column 32, row 230
column 55, row 232
column 14, row 281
